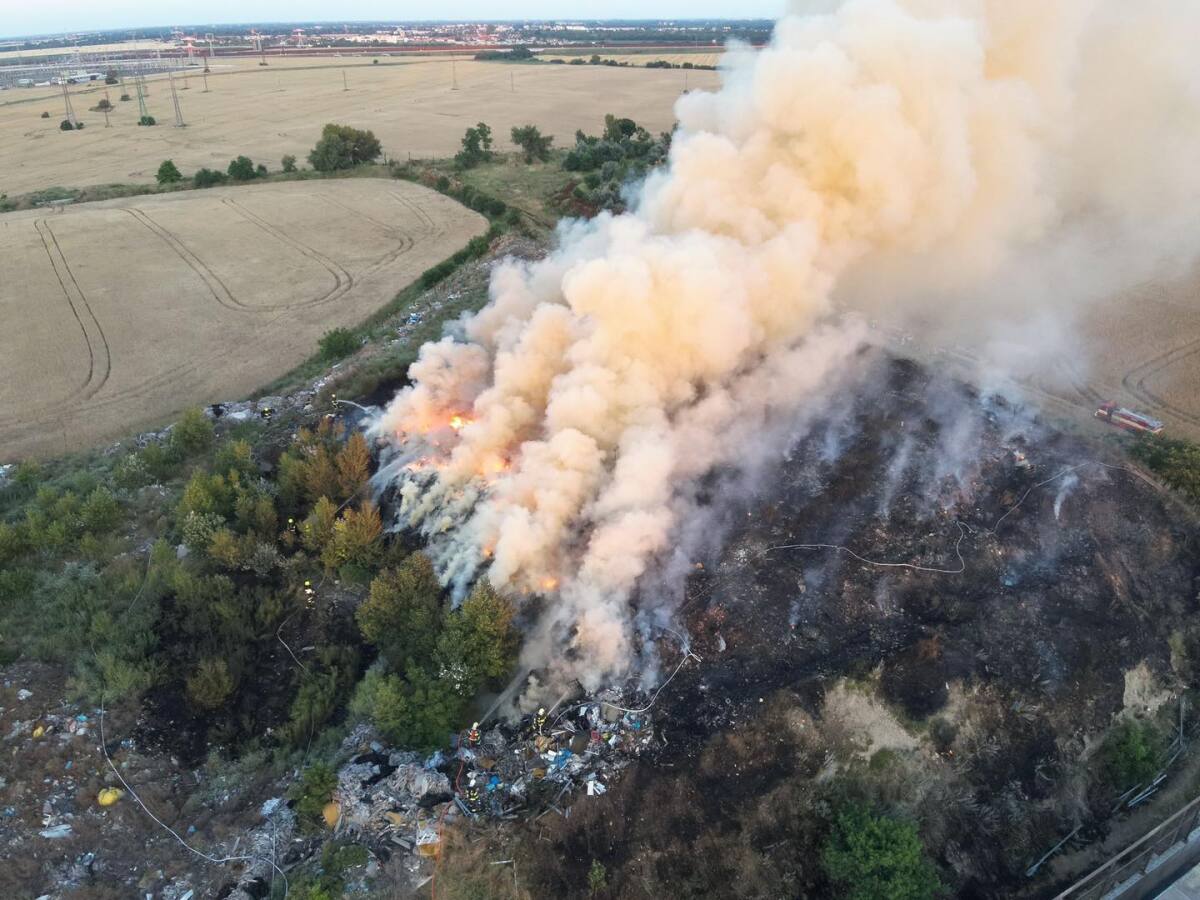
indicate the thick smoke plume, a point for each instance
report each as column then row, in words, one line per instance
column 981, row 166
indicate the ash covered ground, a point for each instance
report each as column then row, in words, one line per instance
column 969, row 698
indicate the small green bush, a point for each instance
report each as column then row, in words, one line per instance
column 146, row 120
column 289, row 163
column 311, row 793
column 1131, row 754
column 338, row 343
column 193, row 433
column 211, row 684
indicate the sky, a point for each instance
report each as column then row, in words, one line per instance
column 25, row 17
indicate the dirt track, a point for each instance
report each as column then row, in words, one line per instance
column 267, row 112
column 119, row 314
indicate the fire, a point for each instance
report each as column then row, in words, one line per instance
column 492, row 465
column 549, row 584
column 458, row 423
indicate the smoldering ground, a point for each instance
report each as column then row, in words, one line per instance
column 968, row 165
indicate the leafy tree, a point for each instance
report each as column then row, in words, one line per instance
column 402, row 613
column 208, row 178
column 104, row 105
column 872, row 857
column 125, row 98
column 317, row 531
column 66, row 125
column 289, row 163
column 146, row 120
column 417, row 711
column 355, row 538
column 343, row 147
column 476, row 146
column 533, row 142
column 168, row 173
column 479, row 644
column 616, row 129
column 226, row 549
column 242, row 169
column 111, row 77
column 354, row 465
column 310, row 467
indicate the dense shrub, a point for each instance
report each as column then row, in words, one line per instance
column 168, row 173
column 872, row 856
column 146, row 120
column 1131, row 754
column 311, row 793
column 193, row 433
column 288, row 163
column 242, row 169
column 208, row 178
column 1177, row 462
column 210, row 685
column 337, row 343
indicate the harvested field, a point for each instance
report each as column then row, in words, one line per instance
column 128, row 310
column 267, row 112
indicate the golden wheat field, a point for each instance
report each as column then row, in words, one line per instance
column 418, row 107
column 120, row 313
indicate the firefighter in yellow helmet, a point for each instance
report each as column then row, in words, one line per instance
column 539, row 721
column 473, row 736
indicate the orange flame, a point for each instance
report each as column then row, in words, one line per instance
column 458, row 423
column 549, row 584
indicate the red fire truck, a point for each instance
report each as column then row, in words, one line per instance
column 1127, row 418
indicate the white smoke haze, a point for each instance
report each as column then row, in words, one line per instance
column 979, row 166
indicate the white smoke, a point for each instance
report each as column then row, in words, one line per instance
column 981, row 165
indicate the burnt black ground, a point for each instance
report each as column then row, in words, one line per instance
column 1049, row 612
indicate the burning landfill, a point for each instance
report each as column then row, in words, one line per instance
column 952, row 162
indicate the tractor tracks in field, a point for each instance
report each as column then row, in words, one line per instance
column 219, row 290
column 343, row 280
column 1135, row 380
column 99, row 353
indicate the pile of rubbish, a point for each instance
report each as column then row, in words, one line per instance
column 541, row 763
column 528, row 768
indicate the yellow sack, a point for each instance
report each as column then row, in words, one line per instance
column 109, row 795
column 332, row 813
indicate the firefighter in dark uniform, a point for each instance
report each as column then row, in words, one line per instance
column 266, row 412
column 539, row 721
column 471, row 796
